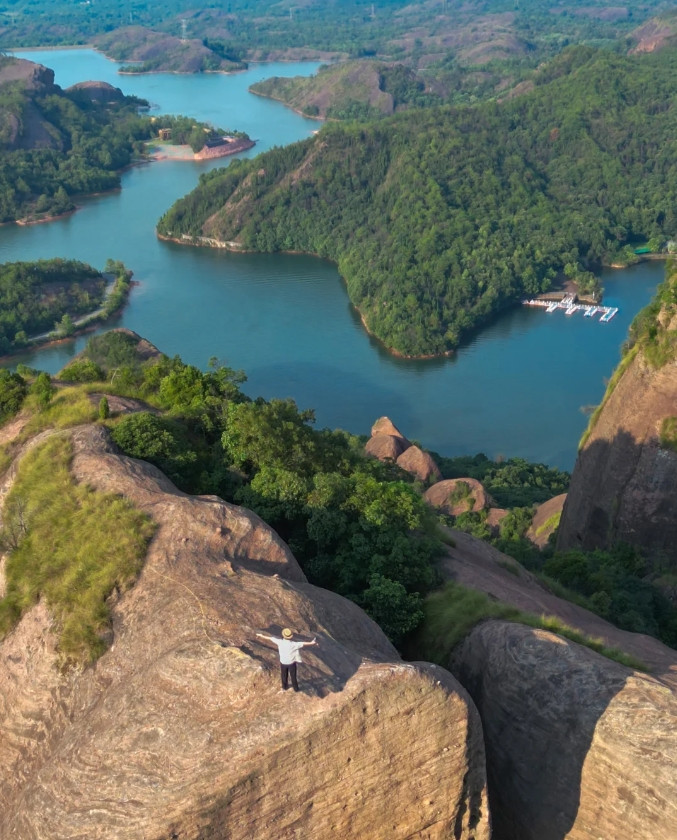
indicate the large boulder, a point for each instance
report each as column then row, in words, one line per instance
column 578, row 746
column 420, row 464
column 385, row 447
column 96, row 92
column 179, row 729
column 455, row 496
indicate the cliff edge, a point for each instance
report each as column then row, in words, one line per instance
column 624, row 484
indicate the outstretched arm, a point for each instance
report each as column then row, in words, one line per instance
column 310, row 644
column 263, row 636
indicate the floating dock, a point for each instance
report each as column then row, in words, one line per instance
column 569, row 306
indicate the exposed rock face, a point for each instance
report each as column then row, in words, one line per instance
column 459, row 495
column 24, row 126
column 546, row 520
column 33, row 77
column 178, row 731
column 385, row 447
column 654, row 34
column 577, row 746
column 419, row 463
column 624, row 484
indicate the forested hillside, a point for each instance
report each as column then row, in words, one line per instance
column 439, row 218
column 55, row 144
column 472, row 33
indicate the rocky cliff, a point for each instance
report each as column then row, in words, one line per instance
column 179, row 729
column 624, row 484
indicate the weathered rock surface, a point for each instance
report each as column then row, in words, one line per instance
column 385, row 447
column 578, row 747
column 179, row 730
column 624, row 485
column 546, row 520
column 419, row 463
column 459, row 495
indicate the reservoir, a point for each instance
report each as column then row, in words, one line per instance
column 519, row 388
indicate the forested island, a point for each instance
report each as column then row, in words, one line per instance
column 439, row 218
column 53, row 298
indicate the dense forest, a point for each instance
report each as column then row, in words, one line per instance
column 36, row 295
column 439, row 218
column 356, row 525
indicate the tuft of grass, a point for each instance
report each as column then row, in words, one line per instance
column 452, row 611
column 450, row 614
column 668, row 433
column 68, row 407
column 71, row 546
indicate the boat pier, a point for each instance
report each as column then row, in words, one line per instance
column 569, row 305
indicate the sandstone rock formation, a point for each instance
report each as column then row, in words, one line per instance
column 624, row 484
column 179, row 730
column 578, row 746
column 459, row 495
column 546, row 520
column 419, row 463
column 385, row 426
column 385, row 447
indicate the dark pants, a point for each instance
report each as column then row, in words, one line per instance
column 285, row 672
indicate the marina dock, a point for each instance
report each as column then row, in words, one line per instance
column 569, row 305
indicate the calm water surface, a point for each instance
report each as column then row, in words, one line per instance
column 517, row 389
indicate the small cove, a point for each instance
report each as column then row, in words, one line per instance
column 516, row 389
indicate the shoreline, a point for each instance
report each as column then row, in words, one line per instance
column 291, row 107
column 236, row 248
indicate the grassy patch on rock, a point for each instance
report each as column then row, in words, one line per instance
column 453, row 611
column 58, row 534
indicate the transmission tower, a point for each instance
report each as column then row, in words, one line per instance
column 184, row 28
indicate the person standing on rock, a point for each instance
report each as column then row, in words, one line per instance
column 290, row 654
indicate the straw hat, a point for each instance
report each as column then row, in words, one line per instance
column 287, row 633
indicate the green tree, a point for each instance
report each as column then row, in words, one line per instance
column 13, row 391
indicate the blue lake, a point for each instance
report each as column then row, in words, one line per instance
column 517, row 389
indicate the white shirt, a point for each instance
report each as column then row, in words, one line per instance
column 289, row 651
